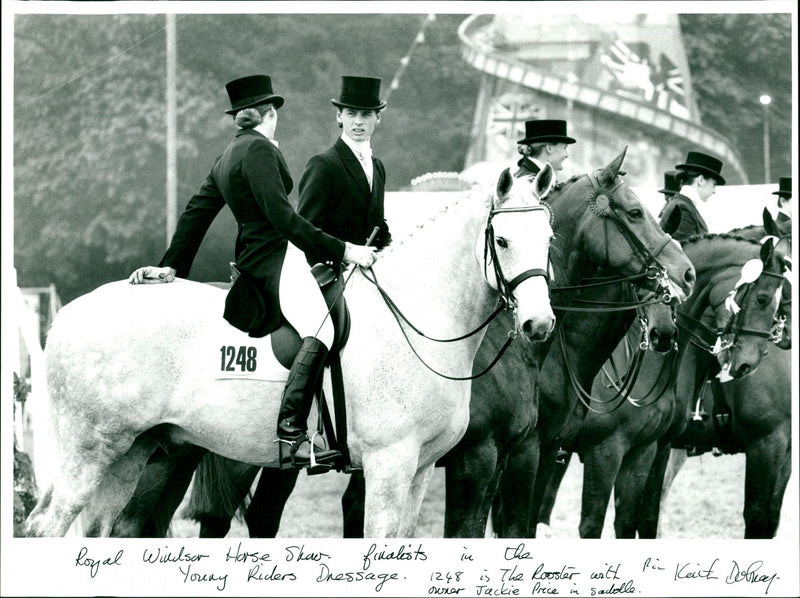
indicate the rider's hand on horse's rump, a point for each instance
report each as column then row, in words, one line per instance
column 363, row 255
column 152, row 275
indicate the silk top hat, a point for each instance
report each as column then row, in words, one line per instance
column 250, row 91
column 700, row 163
column 784, row 187
column 360, row 93
column 671, row 184
column 546, row 131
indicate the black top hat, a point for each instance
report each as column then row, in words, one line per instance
column 250, row 91
column 784, row 187
column 546, row 131
column 671, row 184
column 361, row 93
column 700, row 163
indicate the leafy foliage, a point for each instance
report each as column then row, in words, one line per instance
column 89, row 122
column 735, row 59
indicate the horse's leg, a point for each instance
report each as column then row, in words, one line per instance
column 650, row 509
column 548, row 499
column 516, row 516
column 264, row 514
column 353, row 506
column 158, row 494
column 600, row 468
column 117, row 488
column 764, row 463
column 471, row 477
column 419, row 485
column 389, row 473
column 784, row 473
column 85, row 457
column 629, row 488
column 221, row 486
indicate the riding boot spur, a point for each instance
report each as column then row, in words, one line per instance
column 296, row 450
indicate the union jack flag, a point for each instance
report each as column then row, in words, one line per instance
column 508, row 114
column 635, row 77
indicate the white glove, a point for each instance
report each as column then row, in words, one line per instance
column 363, row 255
column 152, row 275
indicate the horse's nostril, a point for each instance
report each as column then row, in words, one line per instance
column 743, row 371
column 689, row 276
column 527, row 328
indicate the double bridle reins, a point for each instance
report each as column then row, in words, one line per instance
column 506, row 300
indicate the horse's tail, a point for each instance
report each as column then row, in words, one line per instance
column 221, row 488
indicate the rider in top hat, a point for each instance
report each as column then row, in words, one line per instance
column 698, row 177
column 341, row 190
column 671, row 186
column 784, row 194
column 252, row 178
column 545, row 141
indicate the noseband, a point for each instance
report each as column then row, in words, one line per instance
column 506, row 287
column 734, row 325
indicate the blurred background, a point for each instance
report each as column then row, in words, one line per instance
column 90, row 118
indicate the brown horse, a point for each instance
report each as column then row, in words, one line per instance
column 618, row 448
column 754, row 418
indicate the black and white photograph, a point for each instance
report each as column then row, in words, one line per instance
column 399, row 299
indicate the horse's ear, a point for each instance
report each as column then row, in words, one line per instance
column 769, row 224
column 544, row 181
column 610, row 172
column 504, row 184
column 673, row 221
column 766, row 250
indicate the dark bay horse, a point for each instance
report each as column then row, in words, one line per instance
column 759, row 407
column 597, row 221
column 618, row 448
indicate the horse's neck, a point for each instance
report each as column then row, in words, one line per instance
column 434, row 276
column 715, row 263
column 592, row 337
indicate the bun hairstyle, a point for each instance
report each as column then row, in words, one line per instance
column 248, row 118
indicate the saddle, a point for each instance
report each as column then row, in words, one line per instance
column 286, row 343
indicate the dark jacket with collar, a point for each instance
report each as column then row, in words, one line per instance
column 335, row 196
column 527, row 167
column 692, row 222
column 252, row 178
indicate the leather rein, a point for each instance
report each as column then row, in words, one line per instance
column 506, row 300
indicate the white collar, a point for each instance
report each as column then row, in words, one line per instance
column 691, row 193
column 538, row 163
column 360, row 148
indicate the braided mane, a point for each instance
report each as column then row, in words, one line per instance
column 696, row 238
column 434, row 217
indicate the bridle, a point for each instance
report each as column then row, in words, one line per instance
column 505, row 302
column 506, row 287
column 603, row 205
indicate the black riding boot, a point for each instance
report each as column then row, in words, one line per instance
column 298, row 395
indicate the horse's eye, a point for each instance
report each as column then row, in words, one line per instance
column 501, row 242
column 634, row 214
column 763, row 299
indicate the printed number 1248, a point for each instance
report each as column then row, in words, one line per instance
column 243, row 357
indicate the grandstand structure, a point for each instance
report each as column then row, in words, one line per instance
column 617, row 78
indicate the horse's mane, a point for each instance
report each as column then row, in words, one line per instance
column 710, row 236
column 411, row 235
column 745, row 229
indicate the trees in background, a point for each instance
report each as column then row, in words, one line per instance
column 89, row 124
